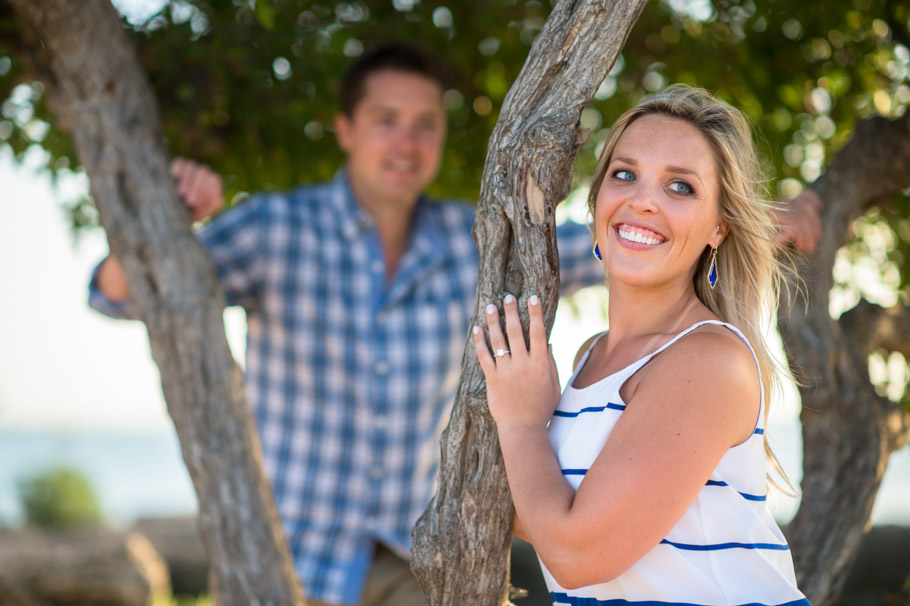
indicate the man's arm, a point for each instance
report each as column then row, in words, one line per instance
column 109, row 279
column 201, row 190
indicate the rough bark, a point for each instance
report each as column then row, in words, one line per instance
column 848, row 431
column 118, row 136
column 461, row 542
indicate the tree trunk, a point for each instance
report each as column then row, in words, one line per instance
column 461, row 543
column 848, row 431
column 119, row 140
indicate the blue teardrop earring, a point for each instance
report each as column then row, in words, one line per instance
column 597, row 254
column 712, row 269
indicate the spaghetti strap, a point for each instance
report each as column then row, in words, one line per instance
column 584, row 357
column 632, row 368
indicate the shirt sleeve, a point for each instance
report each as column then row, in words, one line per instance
column 234, row 240
column 97, row 300
column 578, row 267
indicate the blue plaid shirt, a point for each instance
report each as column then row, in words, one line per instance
column 351, row 377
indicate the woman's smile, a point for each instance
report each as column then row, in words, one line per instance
column 632, row 234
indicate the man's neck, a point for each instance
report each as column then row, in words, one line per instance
column 393, row 220
column 394, row 229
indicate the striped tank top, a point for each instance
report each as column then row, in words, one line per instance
column 726, row 550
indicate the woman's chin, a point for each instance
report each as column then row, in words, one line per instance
column 641, row 279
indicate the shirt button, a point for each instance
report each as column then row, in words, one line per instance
column 376, row 472
column 377, row 266
column 381, row 367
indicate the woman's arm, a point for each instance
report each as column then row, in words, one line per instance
column 693, row 402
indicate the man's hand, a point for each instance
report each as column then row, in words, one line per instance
column 199, row 187
column 799, row 222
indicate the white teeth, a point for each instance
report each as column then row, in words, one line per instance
column 637, row 237
column 401, row 165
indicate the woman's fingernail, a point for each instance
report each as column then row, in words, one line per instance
column 491, row 309
column 509, row 298
column 533, row 300
column 476, row 330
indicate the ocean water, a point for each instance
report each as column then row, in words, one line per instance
column 141, row 475
column 133, row 475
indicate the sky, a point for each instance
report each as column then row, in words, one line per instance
column 63, row 367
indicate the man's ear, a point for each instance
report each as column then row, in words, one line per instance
column 343, row 132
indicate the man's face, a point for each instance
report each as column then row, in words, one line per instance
column 394, row 138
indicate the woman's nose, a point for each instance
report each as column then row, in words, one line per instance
column 643, row 198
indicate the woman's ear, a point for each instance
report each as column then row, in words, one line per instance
column 719, row 234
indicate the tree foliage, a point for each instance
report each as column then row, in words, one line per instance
column 250, row 87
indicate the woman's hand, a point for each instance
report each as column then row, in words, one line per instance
column 522, row 382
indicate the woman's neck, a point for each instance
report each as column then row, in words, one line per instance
column 634, row 313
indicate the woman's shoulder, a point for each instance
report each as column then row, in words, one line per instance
column 711, row 369
column 713, row 361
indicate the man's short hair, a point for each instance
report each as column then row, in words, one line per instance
column 397, row 57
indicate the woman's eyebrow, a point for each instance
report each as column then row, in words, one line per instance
column 673, row 169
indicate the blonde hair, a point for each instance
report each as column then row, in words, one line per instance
column 749, row 269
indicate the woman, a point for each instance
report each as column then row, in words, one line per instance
column 650, row 484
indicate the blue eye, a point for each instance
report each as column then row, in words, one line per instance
column 681, row 187
column 623, row 174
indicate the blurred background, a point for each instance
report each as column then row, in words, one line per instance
column 249, row 88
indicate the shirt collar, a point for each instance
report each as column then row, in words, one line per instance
column 352, row 217
column 426, row 246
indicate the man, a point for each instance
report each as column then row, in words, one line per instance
column 358, row 295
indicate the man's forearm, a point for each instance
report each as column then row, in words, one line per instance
column 111, row 281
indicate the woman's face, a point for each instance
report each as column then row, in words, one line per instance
column 658, row 205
